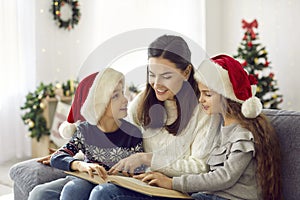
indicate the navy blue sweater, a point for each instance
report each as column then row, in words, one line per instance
column 105, row 149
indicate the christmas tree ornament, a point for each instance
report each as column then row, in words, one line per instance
column 42, row 105
column 31, row 124
column 244, row 64
column 258, row 89
column 249, row 44
column 249, row 27
column 267, row 63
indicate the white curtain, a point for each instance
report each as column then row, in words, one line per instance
column 17, row 74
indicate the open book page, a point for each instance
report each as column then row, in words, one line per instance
column 97, row 179
column 142, row 187
column 132, row 184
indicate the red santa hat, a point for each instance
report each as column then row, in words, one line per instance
column 97, row 99
column 226, row 76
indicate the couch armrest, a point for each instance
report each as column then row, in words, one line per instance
column 28, row 174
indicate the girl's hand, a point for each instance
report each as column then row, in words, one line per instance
column 156, row 179
column 129, row 164
column 46, row 159
column 90, row 168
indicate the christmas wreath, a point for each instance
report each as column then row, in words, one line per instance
column 34, row 106
column 74, row 18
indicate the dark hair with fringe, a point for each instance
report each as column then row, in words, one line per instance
column 267, row 150
column 176, row 50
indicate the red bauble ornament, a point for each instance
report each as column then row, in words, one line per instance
column 244, row 64
column 249, row 44
column 267, row 63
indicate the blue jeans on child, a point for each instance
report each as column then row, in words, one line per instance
column 203, row 196
column 77, row 189
column 50, row 190
column 66, row 188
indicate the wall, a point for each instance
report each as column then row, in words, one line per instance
column 278, row 30
column 61, row 53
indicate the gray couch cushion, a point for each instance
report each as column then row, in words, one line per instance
column 287, row 126
column 27, row 174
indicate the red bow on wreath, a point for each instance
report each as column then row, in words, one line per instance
column 249, row 27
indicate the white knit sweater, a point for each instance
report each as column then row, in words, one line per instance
column 185, row 153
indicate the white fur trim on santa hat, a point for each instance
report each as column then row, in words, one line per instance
column 66, row 129
column 252, row 107
column 100, row 94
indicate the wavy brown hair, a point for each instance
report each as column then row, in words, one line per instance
column 267, row 150
column 150, row 113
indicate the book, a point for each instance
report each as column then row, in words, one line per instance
column 132, row 184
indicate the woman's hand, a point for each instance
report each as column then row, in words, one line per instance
column 129, row 164
column 156, row 179
column 90, row 168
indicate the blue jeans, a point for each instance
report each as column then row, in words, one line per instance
column 203, row 196
column 66, row 188
column 110, row 191
column 50, row 190
column 77, row 189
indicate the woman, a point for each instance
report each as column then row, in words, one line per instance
column 177, row 135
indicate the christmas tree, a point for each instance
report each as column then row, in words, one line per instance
column 254, row 59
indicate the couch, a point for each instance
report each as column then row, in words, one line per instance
column 28, row 174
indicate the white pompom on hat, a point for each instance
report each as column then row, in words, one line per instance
column 66, row 129
column 226, row 76
column 100, row 94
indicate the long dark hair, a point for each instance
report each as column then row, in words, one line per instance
column 176, row 50
column 267, row 150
